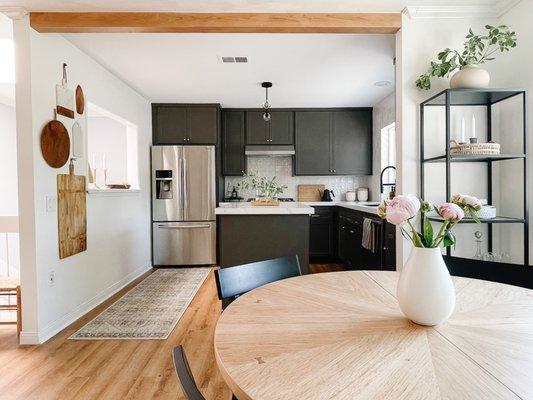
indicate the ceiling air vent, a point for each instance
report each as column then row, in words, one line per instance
column 230, row 60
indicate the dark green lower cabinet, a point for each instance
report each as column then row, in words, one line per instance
column 244, row 239
column 323, row 235
column 350, row 242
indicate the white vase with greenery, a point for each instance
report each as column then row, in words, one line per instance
column 265, row 188
column 478, row 49
column 425, row 291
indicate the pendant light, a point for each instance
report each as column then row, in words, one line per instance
column 266, row 105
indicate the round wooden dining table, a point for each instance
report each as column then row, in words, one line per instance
column 341, row 335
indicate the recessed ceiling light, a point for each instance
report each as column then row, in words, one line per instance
column 382, row 83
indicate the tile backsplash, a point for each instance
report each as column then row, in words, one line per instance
column 281, row 167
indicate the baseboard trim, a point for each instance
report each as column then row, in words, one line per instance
column 53, row 328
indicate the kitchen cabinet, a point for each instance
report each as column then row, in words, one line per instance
column 279, row 130
column 323, row 235
column 333, row 142
column 312, row 143
column 185, row 124
column 233, row 141
column 352, row 142
column 350, row 237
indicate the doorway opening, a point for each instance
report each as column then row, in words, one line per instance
column 9, row 226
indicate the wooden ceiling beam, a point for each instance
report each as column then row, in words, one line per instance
column 159, row 22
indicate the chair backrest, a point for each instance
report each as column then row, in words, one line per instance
column 185, row 375
column 234, row 281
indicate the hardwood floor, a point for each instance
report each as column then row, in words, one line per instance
column 117, row 369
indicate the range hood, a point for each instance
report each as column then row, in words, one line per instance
column 269, row 150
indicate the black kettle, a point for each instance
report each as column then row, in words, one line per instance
column 328, row 195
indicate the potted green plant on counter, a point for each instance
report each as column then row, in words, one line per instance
column 478, row 49
column 267, row 190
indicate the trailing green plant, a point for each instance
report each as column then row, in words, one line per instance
column 478, row 49
column 268, row 188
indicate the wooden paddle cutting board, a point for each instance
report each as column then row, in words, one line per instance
column 71, row 214
column 310, row 192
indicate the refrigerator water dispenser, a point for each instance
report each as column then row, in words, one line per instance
column 163, row 184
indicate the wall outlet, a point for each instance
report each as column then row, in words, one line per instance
column 52, row 278
column 51, row 204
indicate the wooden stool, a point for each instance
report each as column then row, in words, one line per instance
column 11, row 287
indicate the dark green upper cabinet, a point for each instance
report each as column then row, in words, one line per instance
column 202, row 125
column 256, row 128
column 333, row 142
column 279, row 130
column 313, row 143
column 281, row 126
column 352, row 142
column 185, row 123
column 233, row 159
column 169, row 124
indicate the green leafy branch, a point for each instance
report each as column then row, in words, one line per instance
column 266, row 187
column 478, row 49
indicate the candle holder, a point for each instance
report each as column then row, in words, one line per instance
column 100, row 178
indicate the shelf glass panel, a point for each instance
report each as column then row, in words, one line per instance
column 497, row 220
column 475, row 158
column 472, row 97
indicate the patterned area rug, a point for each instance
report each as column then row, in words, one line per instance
column 150, row 310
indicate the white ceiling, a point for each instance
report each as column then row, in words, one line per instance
column 307, row 70
column 246, row 5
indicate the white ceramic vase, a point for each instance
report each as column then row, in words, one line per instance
column 425, row 290
column 470, row 77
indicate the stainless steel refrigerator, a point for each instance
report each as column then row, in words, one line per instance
column 183, row 205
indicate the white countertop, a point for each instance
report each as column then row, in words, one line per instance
column 243, row 208
column 352, row 205
column 246, row 208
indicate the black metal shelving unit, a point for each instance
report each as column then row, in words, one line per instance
column 478, row 97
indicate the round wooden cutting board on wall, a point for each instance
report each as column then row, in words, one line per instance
column 80, row 100
column 55, row 144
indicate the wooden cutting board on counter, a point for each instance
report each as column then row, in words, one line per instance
column 71, row 214
column 310, row 192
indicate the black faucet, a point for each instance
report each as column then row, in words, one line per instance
column 381, row 184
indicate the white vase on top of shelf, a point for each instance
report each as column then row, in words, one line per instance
column 425, row 290
column 470, row 77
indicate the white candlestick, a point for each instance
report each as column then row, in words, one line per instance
column 103, row 161
column 473, row 126
column 462, row 130
column 94, row 161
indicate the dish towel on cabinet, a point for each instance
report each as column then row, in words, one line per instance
column 368, row 235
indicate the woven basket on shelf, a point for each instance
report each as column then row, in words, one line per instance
column 474, row 148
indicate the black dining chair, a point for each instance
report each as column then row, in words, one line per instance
column 183, row 370
column 234, row 281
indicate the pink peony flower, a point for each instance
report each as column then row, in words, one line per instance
column 466, row 200
column 402, row 208
column 451, row 212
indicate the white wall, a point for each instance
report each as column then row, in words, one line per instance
column 118, row 228
column 383, row 114
column 8, row 161
column 418, row 42
column 513, row 70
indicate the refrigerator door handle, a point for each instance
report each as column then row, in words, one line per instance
column 185, row 188
column 184, row 226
